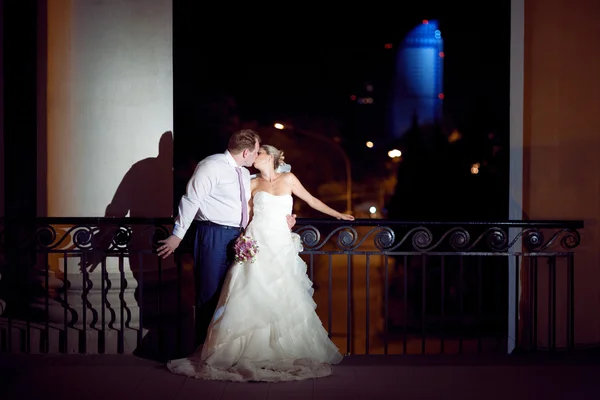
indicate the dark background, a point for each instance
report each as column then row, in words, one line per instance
column 303, row 64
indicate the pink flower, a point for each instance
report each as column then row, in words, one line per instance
column 246, row 249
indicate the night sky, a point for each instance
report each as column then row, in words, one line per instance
column 290, row 64
column 306, row 62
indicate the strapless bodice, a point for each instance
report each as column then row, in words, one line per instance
column 272, row 206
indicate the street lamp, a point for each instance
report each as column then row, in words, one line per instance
column 282, row 126
column 394, row 153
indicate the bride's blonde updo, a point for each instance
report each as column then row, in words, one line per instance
column 276, row 153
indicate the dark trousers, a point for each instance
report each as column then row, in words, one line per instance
column 213, row 255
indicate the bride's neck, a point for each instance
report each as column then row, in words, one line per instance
column 268, row 175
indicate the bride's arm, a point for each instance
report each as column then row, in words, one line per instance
column 302, row 193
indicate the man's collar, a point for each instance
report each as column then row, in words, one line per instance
column 230, row 159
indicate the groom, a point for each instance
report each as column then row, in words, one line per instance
column 217, row 198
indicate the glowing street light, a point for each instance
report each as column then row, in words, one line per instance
column 370, row 144
column 394, row 153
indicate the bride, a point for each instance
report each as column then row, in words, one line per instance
column 265, row 327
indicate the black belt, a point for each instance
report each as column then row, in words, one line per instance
column 233, row 228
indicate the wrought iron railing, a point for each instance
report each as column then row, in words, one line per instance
column 95, row 285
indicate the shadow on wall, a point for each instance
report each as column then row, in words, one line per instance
column 146, row 192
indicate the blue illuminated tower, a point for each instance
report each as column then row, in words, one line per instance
column 418, row 90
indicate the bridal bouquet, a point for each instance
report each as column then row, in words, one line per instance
column 245, row 248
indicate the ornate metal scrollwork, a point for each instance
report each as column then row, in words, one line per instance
column 310, row 236
column 571, row 238
column 45, row 236
column 83, row 237
column 421, row 238
column 384, row 239
column 121, row 237
column 459, row 238
column 497, row 239
column 347, row 238
column 533, row 239
column 156, row 233
column 430, row 238
column 161, row 233
column 106, row 234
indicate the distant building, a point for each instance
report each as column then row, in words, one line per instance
column 418, row 80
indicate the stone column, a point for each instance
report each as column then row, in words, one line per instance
column 561, row 145
column 555, row 168
column 107, row 144
column 515, row 206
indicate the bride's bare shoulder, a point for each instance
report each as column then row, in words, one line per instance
column 288, row 178
column 288, row 175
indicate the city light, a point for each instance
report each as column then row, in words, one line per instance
column 454, row 136
column 277, row 125
column 365, row 100
column 394, row 153
column 370, row 145
column 373, row 209
column 475, row 168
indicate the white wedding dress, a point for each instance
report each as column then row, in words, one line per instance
column 265, row 327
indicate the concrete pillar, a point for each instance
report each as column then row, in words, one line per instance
column 106, row 147
column 555, row 168
column 515, row 201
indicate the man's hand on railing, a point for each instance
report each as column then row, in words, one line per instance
column 168, row 246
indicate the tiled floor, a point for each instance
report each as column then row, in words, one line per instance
column 358, row 377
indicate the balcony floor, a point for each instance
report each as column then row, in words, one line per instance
column 542, row 376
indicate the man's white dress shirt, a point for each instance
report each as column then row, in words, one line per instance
column 213, row 194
